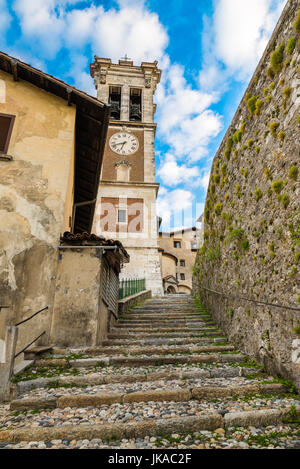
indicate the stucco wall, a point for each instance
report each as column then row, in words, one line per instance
column 252, row 212
column 79, row 313
column 35, row 201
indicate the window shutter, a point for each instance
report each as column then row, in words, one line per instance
column 6, row 125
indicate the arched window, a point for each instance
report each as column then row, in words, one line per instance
column 123, row 171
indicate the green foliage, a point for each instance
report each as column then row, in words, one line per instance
column 216, row 177
column 237, row 189
column 250, row 142
column 258, row 106
column 269, row 98
column 285, row 200
column 286, row 92
column 291, row 45
column 237, row 136
column 272, row 86
column 281, row 135
column 251, row 104
column 277, row 186
column 224, row 169
column 293, row 173
column 297, row 330
column 296, row 24
column 257, row 149
column 228, row 148
column 218, row 208
column 277, row 59
column 213, row 254
column 273, row 128
column 231, row 313
column 270, row 73
column 257, row 194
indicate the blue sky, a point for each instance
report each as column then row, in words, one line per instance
column 207, row 50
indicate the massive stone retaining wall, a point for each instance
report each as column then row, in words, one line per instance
column 252, row 212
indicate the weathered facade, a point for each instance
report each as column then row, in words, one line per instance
column 177, row 257
column 126, row 204
column 52, row 138
column 251, row 252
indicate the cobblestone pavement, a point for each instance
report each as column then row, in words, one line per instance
column 183, row 387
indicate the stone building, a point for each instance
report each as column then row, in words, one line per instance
column 126, row 203
column 177, row 257
column 51, row 149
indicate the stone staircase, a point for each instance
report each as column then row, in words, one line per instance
column 166, row 377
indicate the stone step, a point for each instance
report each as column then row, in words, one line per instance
column 161, row 330
column 164, row 320
column 133, row 350
column 167, row 341
column 93, row 379
column 153, row 395
column 130, row 361
column 150, row 427
column 37, row 350
column 162, row 326
column 138, row 335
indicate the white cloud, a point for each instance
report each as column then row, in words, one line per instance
column 131, row 30
column 175, row 207
column 173, row 174
column 5, row 17
column 235, row 38
column 185, row 122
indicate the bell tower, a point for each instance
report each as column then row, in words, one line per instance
column 126, row 203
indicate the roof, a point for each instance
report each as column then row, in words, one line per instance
column 91, row 128
column 182, row 231
column 87, row 239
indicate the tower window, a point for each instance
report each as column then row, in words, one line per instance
column 135, row 110
column 177, row 244
column 115, row 102
column 122, row 215
column 182, row 277
column 182, row 263
column 6, row 126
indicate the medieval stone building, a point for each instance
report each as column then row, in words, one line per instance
column 177, row 252
column 126, row 204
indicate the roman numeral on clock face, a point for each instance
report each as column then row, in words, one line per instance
column 124, row 143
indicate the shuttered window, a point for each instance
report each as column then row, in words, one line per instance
column 6, row 126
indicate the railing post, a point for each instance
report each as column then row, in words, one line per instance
column 7, row 360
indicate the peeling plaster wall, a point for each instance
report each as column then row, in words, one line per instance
column 252, row 214
column 80, row 316
column 35, row 202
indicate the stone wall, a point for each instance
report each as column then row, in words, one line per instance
column 252, row 212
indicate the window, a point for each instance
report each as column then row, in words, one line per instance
column 182, row 277
column 6, row 126
column 115, row 102
column 177, row 244
column 135, row 108
column 182, row 263
column 122, row 215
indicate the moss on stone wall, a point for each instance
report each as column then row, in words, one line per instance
column 252, row 216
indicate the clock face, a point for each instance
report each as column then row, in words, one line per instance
column 123, row 143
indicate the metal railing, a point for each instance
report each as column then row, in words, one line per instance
column 34, row 340
column 128, row 287
column 243, row 298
